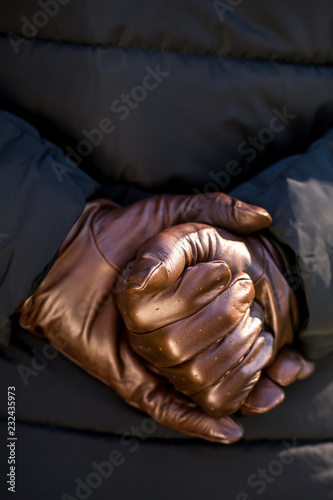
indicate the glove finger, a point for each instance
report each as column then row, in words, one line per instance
column 210, row 365
column 153, row 395
column 308, row 367
column 286, row 367
column 162, row 259
column 178, row 342
column 265, row 396
column 228, row 394
column 170, row 408
column 193, row 290
column 136, row 223
column 220, row 209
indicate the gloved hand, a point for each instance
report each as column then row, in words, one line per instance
column 204, row 338
column 288, row 366
column 76, row 300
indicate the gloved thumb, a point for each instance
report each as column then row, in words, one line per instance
column 165, row 256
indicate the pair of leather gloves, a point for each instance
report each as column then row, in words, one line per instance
column 176, row 306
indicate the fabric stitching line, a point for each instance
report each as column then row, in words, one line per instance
column 179, row 51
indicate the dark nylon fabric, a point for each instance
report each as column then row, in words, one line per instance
column 248, row 85
column 224, row 74
column 42, row 194
column 298, row 192
column 261, row 30
column 156, row 469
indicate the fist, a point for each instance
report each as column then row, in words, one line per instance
column 200, row 306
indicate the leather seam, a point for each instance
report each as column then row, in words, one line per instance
column 116, row 268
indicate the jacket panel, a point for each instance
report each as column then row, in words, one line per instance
column 42, row 195
column 298, row 192
column 166, row 121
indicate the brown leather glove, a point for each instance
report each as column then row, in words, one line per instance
column 74, row 307
column 288, row 366
column 208, row 343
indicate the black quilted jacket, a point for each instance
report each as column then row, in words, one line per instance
column 129, row 98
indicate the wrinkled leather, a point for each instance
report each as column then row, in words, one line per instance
column 188, row 307
column 75, row 306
